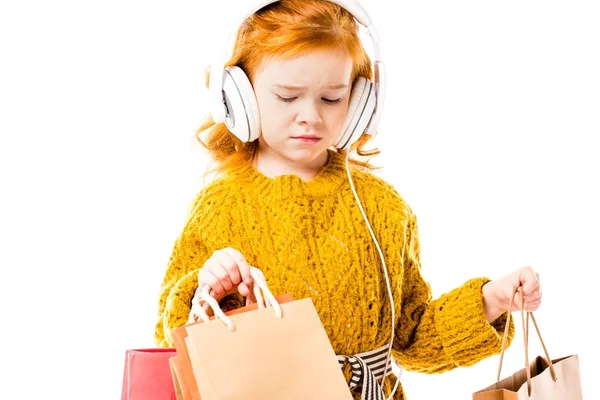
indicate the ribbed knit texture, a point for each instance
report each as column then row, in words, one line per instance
column 310, row 240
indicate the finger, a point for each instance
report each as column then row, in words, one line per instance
column 518, row 301
column 213, row 282
column 533, row 296
column 242, row 264
column 528, row 305
column 245, row 290
column 224, row 269
column 532, row 306
column 251, row 299
column 529, row 281
column 538, row 294
column 229, row 272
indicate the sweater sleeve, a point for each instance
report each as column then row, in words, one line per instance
column 179, row 284
column 434, row 336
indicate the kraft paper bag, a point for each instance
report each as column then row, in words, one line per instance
column 175, row 373
column 266, row 357
column 279, row 351
column 558, row 379
column 543, row 387
column 181, row 363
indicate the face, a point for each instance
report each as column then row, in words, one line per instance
column 302, row 103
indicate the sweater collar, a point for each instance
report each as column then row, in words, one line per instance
column 326, row 182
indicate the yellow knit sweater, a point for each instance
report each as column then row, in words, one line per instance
column 310, row 240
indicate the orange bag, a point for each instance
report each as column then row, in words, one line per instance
column 278, row 350
column 181, row 364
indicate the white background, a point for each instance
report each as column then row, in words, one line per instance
column 490, row 133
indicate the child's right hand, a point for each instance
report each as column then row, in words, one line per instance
column 226, row 272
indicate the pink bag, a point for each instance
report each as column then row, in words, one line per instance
column 147, row 375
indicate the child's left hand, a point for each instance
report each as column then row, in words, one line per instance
column 498, row 293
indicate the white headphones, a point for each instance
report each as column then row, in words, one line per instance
column 232, row 99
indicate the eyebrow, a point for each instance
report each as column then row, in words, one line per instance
column 297, row 87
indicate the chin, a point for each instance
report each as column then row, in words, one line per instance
column 304, row 156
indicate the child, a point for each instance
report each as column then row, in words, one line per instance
column 283, row 203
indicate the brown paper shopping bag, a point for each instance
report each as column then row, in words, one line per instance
column 277, row 352
column 182, row 364
column 557, row 379
column 175, row 375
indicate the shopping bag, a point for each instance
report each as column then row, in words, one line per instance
column 176, row 375
column 181, row 364
column 278, row 351
column 147, row 375
column 557, row 379
column 566, row 387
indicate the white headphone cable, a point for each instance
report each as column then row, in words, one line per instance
column 387, row 278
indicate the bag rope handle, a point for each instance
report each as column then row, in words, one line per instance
column 203, row 299
column 525, row 323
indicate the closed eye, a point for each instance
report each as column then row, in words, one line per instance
column 290, row 99
column 286, row 99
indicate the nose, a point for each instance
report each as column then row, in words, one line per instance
column 309, row 113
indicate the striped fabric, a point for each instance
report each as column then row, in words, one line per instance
column 367, row 368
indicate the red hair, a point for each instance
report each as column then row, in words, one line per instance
column 300, row 26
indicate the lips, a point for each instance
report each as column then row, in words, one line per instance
column 306, row 139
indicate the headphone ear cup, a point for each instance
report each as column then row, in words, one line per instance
column 242, row 117
column 360, row 110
